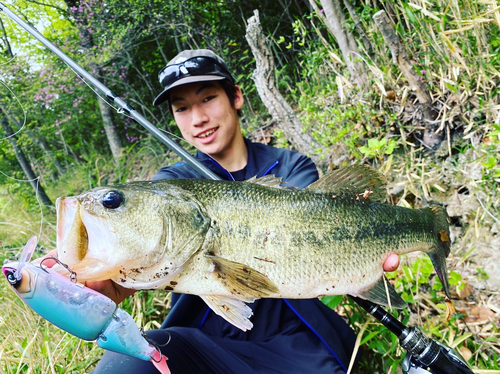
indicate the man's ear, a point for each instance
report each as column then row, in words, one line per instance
column 238, row 98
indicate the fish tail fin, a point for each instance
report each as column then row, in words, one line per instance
column 443, row 245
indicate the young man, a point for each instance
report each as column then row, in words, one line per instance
column 289, row 336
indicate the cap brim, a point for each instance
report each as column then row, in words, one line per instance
column 161, row 98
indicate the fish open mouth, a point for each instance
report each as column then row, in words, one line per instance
column 72, row 236
column 74, row 243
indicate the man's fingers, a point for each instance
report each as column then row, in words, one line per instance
column 110, row 289
column 391, row 263
column 47, row 260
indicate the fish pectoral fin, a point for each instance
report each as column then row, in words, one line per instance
column 241, row 280
column 379, row 294
column 232, row 310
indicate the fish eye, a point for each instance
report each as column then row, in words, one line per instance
column 112, row 199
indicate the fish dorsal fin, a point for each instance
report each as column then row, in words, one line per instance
column 232, row 310
column 378, row 294
column 361, row 180
column 267, row 180
column 241, row 280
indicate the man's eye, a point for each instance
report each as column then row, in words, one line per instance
column 209, row 98
column 181, row 109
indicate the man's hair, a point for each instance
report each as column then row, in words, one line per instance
column 229, row 88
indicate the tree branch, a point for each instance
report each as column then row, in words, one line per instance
column 263, row 77
column 432, row 139
column 49, row 5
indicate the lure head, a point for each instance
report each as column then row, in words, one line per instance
column 9, row 271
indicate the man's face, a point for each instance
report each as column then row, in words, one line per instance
column 205, row 116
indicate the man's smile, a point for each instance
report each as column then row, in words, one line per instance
column 207, row 133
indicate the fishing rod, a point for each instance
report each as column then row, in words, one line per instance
column 424, row 354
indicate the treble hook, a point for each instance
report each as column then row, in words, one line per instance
column 152, row 342
column 72, row 276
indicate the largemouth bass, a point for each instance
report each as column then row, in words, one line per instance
column 234, row 242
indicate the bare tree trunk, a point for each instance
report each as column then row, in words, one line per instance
column 109, row 127
column 23, row 162
column 21, row 158
column 335, row 20
column 40, row 142
column 263, row 77
column 87, row 42
column 47, row 152
column 359, row 27
column 8, row 50
column 432, row 138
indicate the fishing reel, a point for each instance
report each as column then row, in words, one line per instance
column 424, row 355
column 429, row 356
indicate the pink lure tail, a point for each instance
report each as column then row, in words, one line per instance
column 160, row 362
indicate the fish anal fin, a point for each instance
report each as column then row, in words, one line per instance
column 241, row 280
column 362, row 180
column 232, row 310
column 380, row 295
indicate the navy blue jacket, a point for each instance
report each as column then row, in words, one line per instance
column 275, row 320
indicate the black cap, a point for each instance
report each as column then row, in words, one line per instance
column 221, row 74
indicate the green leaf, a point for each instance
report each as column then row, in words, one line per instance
column 332, row 301
column 410, row 14
column 490, row 163
column 365, row 150
column 452, row 88
column 373, row 143
column 482, row 274
column 390, row 147
column 454, row 278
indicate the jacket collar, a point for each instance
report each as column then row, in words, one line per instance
column 257, row 165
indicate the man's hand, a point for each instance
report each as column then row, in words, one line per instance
column 391, row 263
column 111, row 289
column 108, row 288
column 47, row 260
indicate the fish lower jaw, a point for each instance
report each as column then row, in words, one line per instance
column 90, row 269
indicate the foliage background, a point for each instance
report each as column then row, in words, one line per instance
column 453, row 44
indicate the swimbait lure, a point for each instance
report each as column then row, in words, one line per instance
column 79, row 310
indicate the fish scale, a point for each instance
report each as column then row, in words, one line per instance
column 342, row 238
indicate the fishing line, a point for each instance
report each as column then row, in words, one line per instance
column 22, row 108
column 118, row 110
column 121, row 111
column 37, row 179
